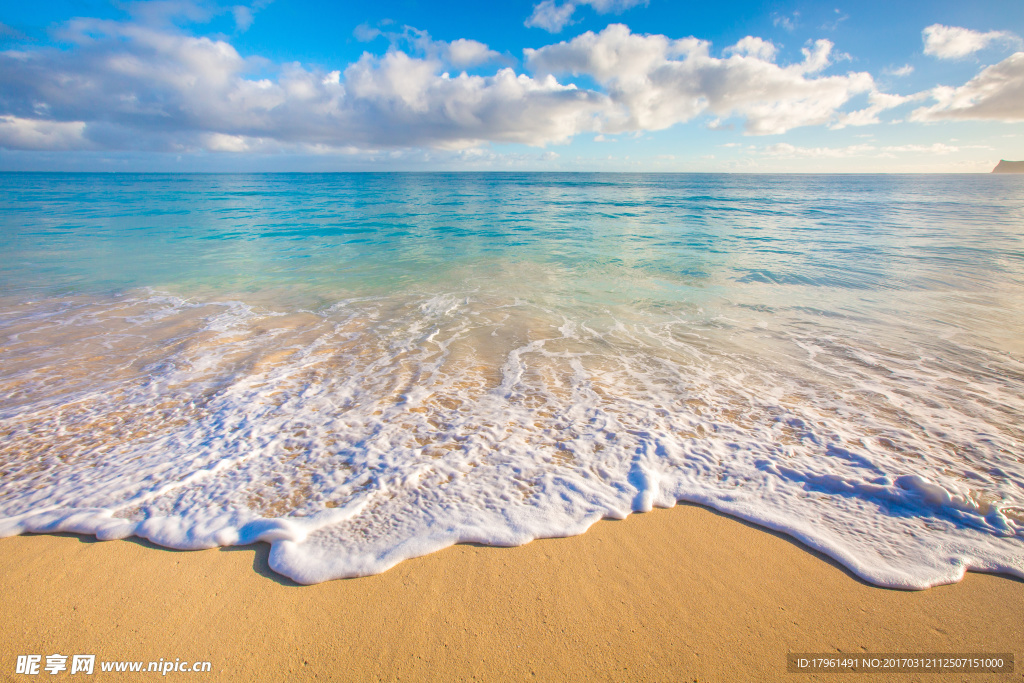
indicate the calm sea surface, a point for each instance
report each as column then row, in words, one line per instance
column 362, row 368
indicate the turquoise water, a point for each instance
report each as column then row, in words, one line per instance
column 361, row 368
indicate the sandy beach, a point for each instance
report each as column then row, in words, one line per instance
column 672, row 595
column 324, row 286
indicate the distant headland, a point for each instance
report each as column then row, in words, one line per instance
column 1005, row 166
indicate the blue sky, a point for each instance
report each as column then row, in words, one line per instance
column 618, row 85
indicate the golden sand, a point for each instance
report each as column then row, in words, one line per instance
column 672, row 595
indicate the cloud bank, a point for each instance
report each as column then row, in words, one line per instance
column 126, row 86
column 655, row 82
column 136, row 86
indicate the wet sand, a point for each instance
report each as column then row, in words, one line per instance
column 672, row 595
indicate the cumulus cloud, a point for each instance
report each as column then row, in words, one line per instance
column 464, row 53
column 657, row 82
column 753, row 47
column 954, row 42
column 127, row 86
column 219, row 142
column 400, row 100
column 36, row 134
column 553, row 16
column 131, row 85
column 996, row 93
column 461, row 53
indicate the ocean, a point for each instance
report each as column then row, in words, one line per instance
column 365, row 368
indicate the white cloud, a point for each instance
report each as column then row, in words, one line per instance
column 133, row 86
column 612, row 6
column 788, row 151
column 550, row 16
column 126, row 86
column 463, row 53
column 19, row 133
column 219, row 142
column 935, row 148
column 953, row 42
column 243, row 17
column 877, row 103
column 553, row 16
column 657, row 82
column 816, row 57
column 904, row 70
column 996, row 93
column 399, row 100
column 785, row 150
column 753, row 47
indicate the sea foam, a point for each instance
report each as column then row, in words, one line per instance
column 385, row 428
column 363, row 369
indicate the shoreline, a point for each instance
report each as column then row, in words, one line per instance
column 673, row 594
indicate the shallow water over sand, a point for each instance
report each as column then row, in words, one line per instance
column 365, row 368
